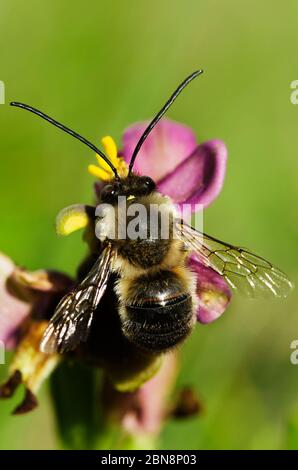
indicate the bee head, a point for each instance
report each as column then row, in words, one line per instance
column 131, row 187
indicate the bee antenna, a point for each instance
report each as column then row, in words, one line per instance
column 68, row 131
column 160, row 114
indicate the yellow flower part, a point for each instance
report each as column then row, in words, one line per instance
column 110, row 148
column 103, row 171
column 72, row 218
column 99, row 173
column 29, row 367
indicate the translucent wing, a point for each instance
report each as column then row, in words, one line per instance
column 73, row 316
column 243, row 270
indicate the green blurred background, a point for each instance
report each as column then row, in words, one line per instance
column 99, row 66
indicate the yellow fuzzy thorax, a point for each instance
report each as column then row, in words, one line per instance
column 102, row 171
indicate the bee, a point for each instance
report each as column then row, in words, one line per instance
column 154, row 287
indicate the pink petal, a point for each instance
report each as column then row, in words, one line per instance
column 169, row 144
column 13, row 310
column 213, row 292
column 23, row 291
column 199, row 178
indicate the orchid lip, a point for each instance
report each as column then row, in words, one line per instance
column 183, row 170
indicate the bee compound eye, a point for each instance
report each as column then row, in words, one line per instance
column 108, row 194
column 148, row 184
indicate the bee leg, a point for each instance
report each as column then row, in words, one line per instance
column 29, row 367
column 28, row 404
column 8, row 388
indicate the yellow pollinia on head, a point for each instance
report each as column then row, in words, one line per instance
column 102, row 171
column 78, row 216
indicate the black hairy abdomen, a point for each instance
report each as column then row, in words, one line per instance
column 160, row 316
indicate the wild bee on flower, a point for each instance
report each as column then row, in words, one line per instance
column 138, row 298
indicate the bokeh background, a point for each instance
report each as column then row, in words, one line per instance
column 100, row 66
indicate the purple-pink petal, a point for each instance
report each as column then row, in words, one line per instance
column 168, row 145
column 199, row 178
column 22, row 292
column 13, row 310
column 212, row 290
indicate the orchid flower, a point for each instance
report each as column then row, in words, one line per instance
column 185, row 171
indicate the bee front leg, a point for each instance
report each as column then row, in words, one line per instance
column 29, row 367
